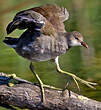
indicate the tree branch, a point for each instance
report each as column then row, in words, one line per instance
column 28, row 95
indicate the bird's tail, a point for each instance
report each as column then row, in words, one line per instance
column 12, row 42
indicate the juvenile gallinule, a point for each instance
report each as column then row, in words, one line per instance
column 39, row 43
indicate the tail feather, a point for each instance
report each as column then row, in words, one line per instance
column 12, row 42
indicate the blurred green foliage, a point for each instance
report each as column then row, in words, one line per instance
column 86, row 63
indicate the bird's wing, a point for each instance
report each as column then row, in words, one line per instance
column 26, row 19
column 48, row 18
column 49, row 10
column 54, row 14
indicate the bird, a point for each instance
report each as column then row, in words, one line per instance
column 37, row 44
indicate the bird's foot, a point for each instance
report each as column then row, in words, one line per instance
column 75, row 78
column 42, row 86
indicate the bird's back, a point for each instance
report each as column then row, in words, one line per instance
column 54, row 14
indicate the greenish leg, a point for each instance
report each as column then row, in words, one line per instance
column 41, row 83
column 89, row 84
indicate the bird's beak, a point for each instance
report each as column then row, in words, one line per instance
column 84, row 44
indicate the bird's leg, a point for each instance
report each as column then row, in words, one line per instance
column 89, row 84
column 39, row 80
column 41, row 83
column 66, row 88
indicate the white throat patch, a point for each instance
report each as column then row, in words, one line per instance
column 75, row 43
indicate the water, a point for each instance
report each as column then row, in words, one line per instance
column 85, row 63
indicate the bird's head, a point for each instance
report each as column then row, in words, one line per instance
column 76, row 39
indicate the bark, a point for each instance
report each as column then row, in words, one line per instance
column 28, row 95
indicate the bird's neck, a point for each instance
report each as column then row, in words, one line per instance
column 67, row 39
